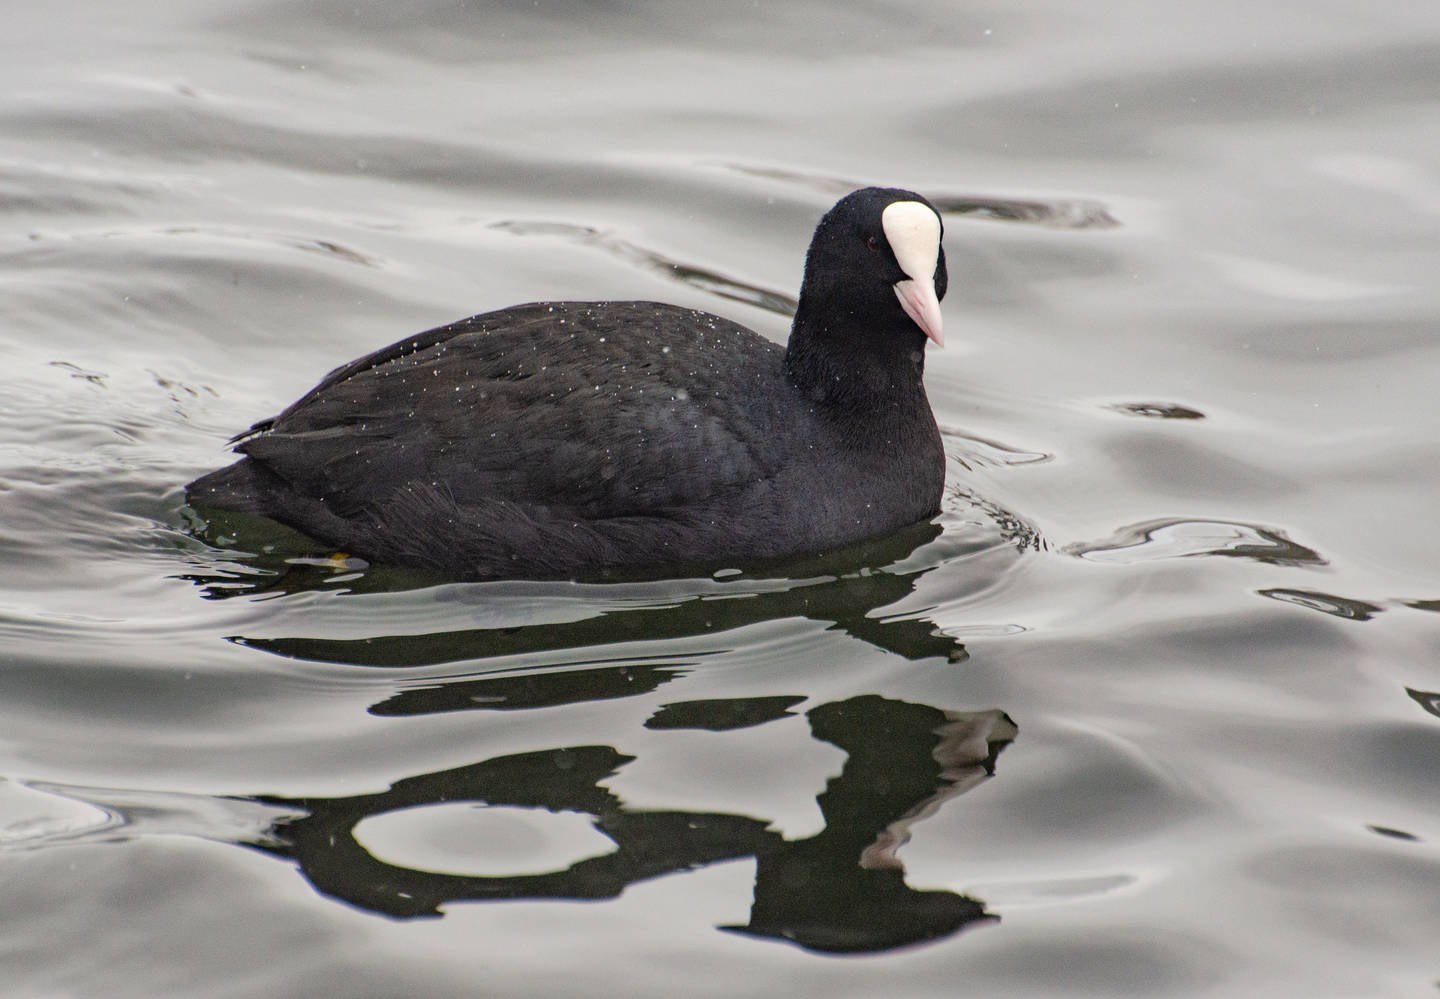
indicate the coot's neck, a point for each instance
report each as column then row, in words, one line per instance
column 852, row 363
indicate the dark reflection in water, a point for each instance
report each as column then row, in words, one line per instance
column 1427, row 699
column 841, row 590
column 846, row 602
column 842, row 890
column 1158, row 410
column 1392, row 833
column 532, row 690
column 723, row 714
column 1327, row 603
column 904, row 761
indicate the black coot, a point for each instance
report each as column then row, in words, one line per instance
column 564, row 439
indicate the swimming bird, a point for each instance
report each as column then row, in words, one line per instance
column 583, row 439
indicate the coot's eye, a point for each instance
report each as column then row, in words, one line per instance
column 874, row 243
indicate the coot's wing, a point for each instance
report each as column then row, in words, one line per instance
column 412, row 345
column 608, row 409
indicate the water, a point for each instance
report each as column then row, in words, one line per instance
column 1156, row 713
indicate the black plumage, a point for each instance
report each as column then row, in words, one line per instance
column 571, row 439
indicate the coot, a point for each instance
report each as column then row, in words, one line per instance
column 578, row 439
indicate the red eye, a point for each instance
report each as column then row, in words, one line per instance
column 874, row 243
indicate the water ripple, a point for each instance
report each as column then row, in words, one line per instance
column 1052, row 213
column 696, row 276
column 112, row 814
column 217, row 235
column 1153, row 540
column 1326, row 603
column 972, row 452
column 31, row 817
column 1157, row 410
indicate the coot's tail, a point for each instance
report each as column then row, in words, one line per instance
column 244, row 487
column 248, row 487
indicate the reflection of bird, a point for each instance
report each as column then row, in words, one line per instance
column 568, row 438
column 902, row 759
column 844, row 890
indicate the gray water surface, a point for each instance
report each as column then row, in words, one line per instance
column 1153, row 709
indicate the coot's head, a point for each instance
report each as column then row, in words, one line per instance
column 875, row 266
